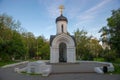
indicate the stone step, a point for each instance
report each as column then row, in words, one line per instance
column 74, row 67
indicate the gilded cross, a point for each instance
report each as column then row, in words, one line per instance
column 61, row 7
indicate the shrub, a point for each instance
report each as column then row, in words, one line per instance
column 110, row 56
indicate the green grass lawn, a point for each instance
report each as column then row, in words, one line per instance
column 2, row 63
column 99, row 59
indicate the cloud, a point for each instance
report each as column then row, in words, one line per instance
column 51, row 7
column 97, row 7
column 88, row 16
column 91, row 13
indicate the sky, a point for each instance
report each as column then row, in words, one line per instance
column 38, row 16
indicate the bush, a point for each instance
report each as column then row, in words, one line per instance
column 117, row 68
column 87, row 56
column 110, row 56
column 5, row 57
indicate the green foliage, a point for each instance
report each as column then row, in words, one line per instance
column 87, row 56
column 43, row 48
column 117, row 68
column 110, row 56
column 11, row 45
column 16, row 43
column 99, row 59
column 87, row 48
column 33, row 74
column 81, row 40
column 117, row 60
column 112, row 31
column 3, row 63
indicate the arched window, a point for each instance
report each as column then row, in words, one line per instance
column 62, row 28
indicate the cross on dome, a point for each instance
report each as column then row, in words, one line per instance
column 61, row 7
column 61, row 17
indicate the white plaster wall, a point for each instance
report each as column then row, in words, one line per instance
column 54, row 55
column 71, row 56
column 71, row 53
column 63, row 38
column 58, row 25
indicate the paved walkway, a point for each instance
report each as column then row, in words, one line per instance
column 9, row 74
column 75, row 67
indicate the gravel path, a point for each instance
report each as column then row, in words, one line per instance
column 9, row 74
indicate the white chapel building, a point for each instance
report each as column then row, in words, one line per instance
column 62, row 45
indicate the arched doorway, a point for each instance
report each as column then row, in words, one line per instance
column 62, row 52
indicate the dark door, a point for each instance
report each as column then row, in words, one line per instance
column 62, row 52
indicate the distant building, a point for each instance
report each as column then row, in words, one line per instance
column 105, row 44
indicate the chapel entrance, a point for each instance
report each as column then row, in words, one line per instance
column 62, row 52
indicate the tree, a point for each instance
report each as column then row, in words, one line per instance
column 17, row 46
column 16, row 43
column 31, row 44
column 87, row 47
column 113, row 31
column 11, row 45
column 43, row 48
column 95, row 47
column 82, row 41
